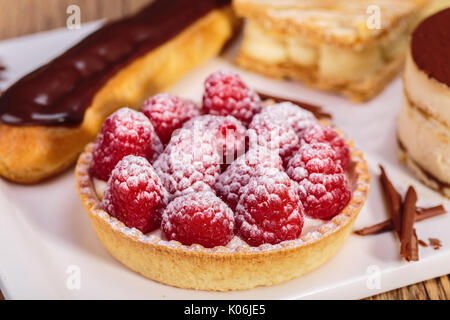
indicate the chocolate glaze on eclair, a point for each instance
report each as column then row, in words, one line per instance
column 48, row 116
column 58, row 93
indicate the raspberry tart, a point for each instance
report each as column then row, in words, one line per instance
column 188, row 216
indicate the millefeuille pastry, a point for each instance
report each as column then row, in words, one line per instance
column 48, row 116
column 328, row 43
column 281, row 207
column 424, row 120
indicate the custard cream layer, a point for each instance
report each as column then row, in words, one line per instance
column 432, row 96
column 426, row 140
column 341, row 63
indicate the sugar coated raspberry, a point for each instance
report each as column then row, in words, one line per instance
column 226, row 94
column 200, row 218
column 323, row 186
column 287, row 113
column 125, row 132
column 190, row 163
column 269, row 210
column 231, row 183
column 228, row 131
column 168, row 113
column 318, row 133
column 274, row 135
column 135, row 194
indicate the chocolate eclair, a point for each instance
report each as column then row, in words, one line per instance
column 424, row 120
column 48, row 116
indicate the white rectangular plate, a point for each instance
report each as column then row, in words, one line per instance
column 45, row 230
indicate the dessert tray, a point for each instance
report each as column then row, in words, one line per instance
column 48, row 248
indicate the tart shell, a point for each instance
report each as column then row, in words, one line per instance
column 222, row 268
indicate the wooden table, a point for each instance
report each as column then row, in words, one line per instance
column 20, row 17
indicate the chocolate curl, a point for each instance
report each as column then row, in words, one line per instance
column 435, row 243
column 387, row 225
column 316, row 110
column 425, row 213
column 414, row 251
column 393, row 201
column 423, row 243
column 409, row 243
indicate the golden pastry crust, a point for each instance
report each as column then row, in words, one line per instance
column 29, row 154
column 335, row 22
column 357, row 91
column 221, row 268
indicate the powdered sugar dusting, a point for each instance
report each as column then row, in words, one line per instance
column 198, row 218
column 226, row 94
column 229, row 134
column 273, row 134
column 287, row 113
column 123, row 133
column 313, row 229
column 168, row 113
column 310, row 232
column 190, row 163
column 229, row 184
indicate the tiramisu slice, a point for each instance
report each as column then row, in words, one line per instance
column 424, row 121
column 332, row 45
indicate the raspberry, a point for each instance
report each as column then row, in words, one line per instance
column 231, row 183
column 125, row 132
column 228, row 131
column 135, row 194
column 275, row 135
column 168, row 113
column 269, row 210
column 323, row 187
column 322, row 134
column 190, row 163
column 287, row 113
column 226, row 94
column 200, row 218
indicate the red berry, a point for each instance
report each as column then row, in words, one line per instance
column 323, row 186
column 269, row 210
column 226, row 94
column 168, row 113
column 228, row 131
column 323, row 134
column 231, row 183
column 200, row 218
column 125, row 132
column 190, row 163
column 289, row 114
column 275, row 135
column 135, row 194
